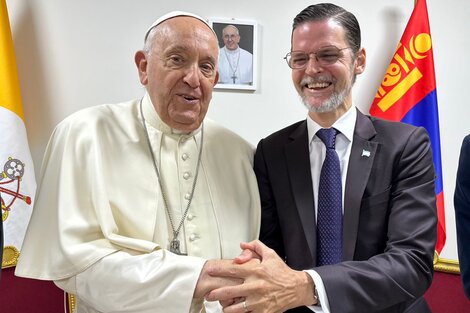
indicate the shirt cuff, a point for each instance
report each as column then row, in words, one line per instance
column 322, row 296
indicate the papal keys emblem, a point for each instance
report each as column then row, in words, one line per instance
column 10, row 186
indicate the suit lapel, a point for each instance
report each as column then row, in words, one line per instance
column 362, row 156
column 298, row 162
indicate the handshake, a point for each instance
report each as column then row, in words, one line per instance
column 258, row 280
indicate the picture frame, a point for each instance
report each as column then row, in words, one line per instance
column 237, row 54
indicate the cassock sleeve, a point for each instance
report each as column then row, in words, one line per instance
column 121, row 282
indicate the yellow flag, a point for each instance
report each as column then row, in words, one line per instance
column 17, row 181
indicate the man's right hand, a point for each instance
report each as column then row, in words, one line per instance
column 269, row 285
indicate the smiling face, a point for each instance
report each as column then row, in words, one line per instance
column 180, row 71
column 325, row 89
column 231, row 37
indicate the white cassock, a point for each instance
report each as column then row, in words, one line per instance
column 235, row 66
column 99, row 227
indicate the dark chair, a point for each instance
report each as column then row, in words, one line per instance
column 22, row 295
column 446, row 293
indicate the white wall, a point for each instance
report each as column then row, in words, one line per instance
column 78, row 53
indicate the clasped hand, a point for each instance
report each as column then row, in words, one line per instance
column 265, row 282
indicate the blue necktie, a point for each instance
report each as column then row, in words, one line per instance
column 330, row 213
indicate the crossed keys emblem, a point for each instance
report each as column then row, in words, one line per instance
column 13, row 172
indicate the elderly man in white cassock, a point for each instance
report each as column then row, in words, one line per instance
column 138, row 199
column 235, row 63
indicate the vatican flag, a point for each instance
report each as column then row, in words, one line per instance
column 17, row 181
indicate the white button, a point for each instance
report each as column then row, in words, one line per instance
column 192, row 237
column 185, row 156
column 186, row 175
column 190, row 217
column 187, row 196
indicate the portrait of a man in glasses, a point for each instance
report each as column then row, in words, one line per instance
column 235, row 53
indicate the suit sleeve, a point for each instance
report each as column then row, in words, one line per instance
column 403, row 271
column 462, row 213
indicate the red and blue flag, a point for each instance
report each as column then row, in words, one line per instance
column 408, row 94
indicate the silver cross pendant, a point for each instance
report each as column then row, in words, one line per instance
column 175, row 247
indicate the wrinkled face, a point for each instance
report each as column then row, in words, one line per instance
column 231, row 37
column 180, row 71
column 325, row 88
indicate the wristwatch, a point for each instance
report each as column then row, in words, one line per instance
column 315, row 296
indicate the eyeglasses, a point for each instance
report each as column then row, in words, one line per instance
column 324, row 56
column 232, row 37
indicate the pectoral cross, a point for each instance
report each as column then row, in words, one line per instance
column 175, row 247
column 233, row 77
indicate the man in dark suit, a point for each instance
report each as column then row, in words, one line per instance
column 386, row 195
column 462, row 213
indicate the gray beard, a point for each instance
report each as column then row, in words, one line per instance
column 334, row 102
column 329, row 105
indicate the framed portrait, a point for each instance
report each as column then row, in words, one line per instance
column 237, row 53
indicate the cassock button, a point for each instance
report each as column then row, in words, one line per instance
column 192, row 237
column 185, row 156
column 186, row 175
column 187, row 196
column 190, row 217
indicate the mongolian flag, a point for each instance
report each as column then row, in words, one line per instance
column 17, row 181
column 408, row 94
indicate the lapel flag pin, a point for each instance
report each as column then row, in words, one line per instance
column 365, row 153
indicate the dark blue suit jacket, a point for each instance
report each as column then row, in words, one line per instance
column 462, row 213
column 389, row 221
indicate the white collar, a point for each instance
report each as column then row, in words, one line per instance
column 152, row 118
column 345, row 124
column 232, row 51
